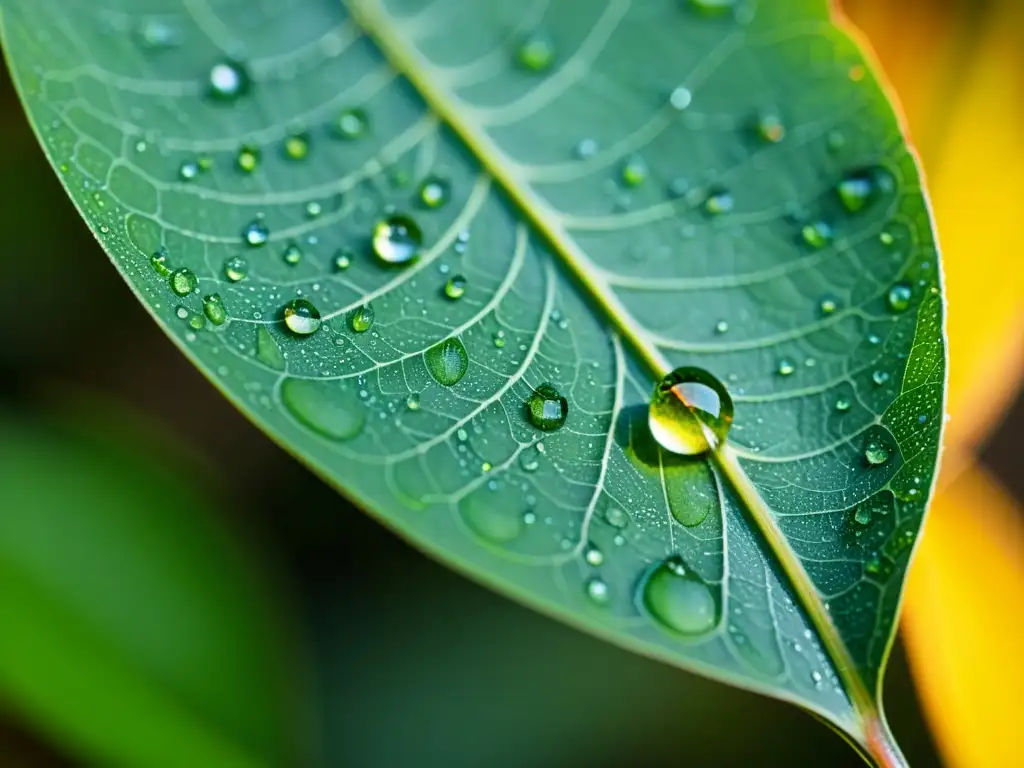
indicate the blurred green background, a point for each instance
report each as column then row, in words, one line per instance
column 160, row 558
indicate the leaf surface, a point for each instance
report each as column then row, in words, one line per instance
column 625, row 188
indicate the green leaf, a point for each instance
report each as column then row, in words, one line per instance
column 622, row 188
column 136, row 629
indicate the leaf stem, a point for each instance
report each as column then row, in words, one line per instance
column 877, row 739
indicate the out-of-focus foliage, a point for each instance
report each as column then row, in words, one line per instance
column 958, row 68
column 135, row 627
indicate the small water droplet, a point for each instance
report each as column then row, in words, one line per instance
column 680, row 98
column 546, row 408
column 342, row 259
column 634, row 172
column 158, row 33
column 313, row 209
column 447, row 361
column 721, row 326
column 842, row 405
column 292, row 255
column 296, row 146
column 880, row 377
column 679, row 600
column 397, row 239
column 686, row 406
column 213, row 308
column 499, row 339
column 412, row 402
column 875, row 454
column 159, row 263
column 862, row 515
column 855, row 191
column 434, row 191
column 228, row 80
column 585, row 148
column 360, row 319
column 236, row 269
column 256, row 233
column 770, row 127
column 248, row 158
column 786, row 367
column 536, row 52
column 188, row 170
column 455, row 288
column 593, row 556
column 183, row 281
column 718, row 202
column 828, row 306
column 899, row 297
column 351, row 124
column 885, row 238
column 597, row 590
column 616, row 517
column 816, row 235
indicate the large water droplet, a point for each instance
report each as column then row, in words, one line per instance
column 679, row 600
column 183, row 281
column 447, row 361
column 689, row 407
column 434, row 192
column 546, row 408
column 326, row 407
column 875, row 454
column 491, row 517
column 228, row 80
column 899, row 297
column 213, row 308
column 397, row 239
column 301, row 317
column 360, row 319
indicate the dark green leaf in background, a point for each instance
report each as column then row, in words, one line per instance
column 135, row 628
column 603, row 191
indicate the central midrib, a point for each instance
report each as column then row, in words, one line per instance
column 408, row 61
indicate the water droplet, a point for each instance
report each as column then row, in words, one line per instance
column 292, row 255
column 721, row 326
column 360, row 319
column 248, row 158
column 455, row 288
column 228, row 80
column 875, row 453
column 499, row 339
column 828, row 306
column 183, row 281
column 313, row 209
column 301, row 317
column 546, row 408
column 680, row 98
column 397, row 239
column 899, row 297
column 586, row 148
column 786, row 367
column 236, row 268
column 188, row 170
column 447, row 361
column 256, row 233
column 770, row 128
column 855, row 191
column 213, row 308
column 862, row 514
column 686, row 406
column 159, row 262
column 157, row 33
column 886, row 238
column 412, row 402
column 879, row 377
column 616, row 517
column 679, row 600
column 593, row 556
column 352, row 124
column 296, row 146
column 816, row 235
column 536, row 53
column 434, row 192
column 842, row 405
column 326, row 407
column 634, row 172
column 597, row 590
column 717, row 202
